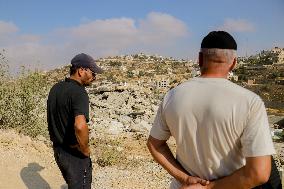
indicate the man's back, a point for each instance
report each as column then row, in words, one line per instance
column 66, row 99
column 221, row 129
column 208, row 117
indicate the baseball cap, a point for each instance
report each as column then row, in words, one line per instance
column 219, row 40
column 86, row 61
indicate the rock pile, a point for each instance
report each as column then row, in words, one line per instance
column 114, row 110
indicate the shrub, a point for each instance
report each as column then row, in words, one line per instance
column 108, row 153
column 109, row 157
column 23, row 102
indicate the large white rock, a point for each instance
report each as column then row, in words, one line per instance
column 125, row 120
column 145, row 125
column 142, row 126
column 115, row 128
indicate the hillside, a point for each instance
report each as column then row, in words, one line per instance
column 123, row 104
column 156, row 75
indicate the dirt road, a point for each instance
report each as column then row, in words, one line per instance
column 29, row 164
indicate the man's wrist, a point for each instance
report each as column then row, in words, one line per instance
column 87, row 151
column 184, row 178
column 210, row 185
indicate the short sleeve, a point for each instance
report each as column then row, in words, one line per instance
column 160, row 129
column 256, row 138
column 80, row 104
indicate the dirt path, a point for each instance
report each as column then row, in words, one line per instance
column 29, row 164
column 26, row 164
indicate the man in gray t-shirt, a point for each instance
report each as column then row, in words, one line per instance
column 221, row 129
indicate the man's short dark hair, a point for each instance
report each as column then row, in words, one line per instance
column 73, row 70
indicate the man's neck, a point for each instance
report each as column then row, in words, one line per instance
column 76, row 79
column 214, row 75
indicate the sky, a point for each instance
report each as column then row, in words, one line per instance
column 48, row 34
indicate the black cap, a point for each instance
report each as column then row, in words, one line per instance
column 219, row 40
column 86, row 61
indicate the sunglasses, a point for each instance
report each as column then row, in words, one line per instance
column 93, row 73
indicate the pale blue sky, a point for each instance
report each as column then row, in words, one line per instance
column 47, row 34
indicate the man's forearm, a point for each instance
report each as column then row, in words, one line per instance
column 163, row 155
column 166, row 159
column 235, row 181
column 82, row 135
column 254, row 173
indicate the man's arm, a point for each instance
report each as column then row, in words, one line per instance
column 82, row 134
column 254, row 173
column 163, row 155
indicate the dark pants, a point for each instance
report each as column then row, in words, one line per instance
column 76, row 169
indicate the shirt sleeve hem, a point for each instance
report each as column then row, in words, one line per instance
column 159, row 137
column 272, row 152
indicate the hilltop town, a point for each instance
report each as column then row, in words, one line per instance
column 126, row 96
column 135, row 84
column 262, row 73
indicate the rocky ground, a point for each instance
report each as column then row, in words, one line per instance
column 120, row 161
column 123, row 164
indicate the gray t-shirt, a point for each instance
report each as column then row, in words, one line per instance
column 216, row 124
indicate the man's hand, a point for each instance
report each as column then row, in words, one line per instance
column 193, row 186
column 195, row 180
column 163, row 155
column 86, row 151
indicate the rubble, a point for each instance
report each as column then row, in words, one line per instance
column 115, row 111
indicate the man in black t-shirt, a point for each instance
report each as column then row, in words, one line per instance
column 67, row 116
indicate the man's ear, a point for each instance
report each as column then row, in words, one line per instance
column 200, row 59
column 234, row 64
column 80, row 72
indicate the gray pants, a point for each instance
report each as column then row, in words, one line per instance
column 76, row 170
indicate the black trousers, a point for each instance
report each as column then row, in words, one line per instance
column 75, row 168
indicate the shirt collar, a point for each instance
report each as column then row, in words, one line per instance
column 73, row 81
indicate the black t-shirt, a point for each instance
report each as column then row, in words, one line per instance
column 66, row 100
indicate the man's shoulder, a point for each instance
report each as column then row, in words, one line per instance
column 243, row 91
column 55, row 87
column 67, row 88
column 219, row 85
column 58, row 84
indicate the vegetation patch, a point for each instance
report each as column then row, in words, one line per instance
column 23, row 101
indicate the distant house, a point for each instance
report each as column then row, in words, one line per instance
column 251, row 81
column 234, row 78
column 164, row 83
column 280, row 52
